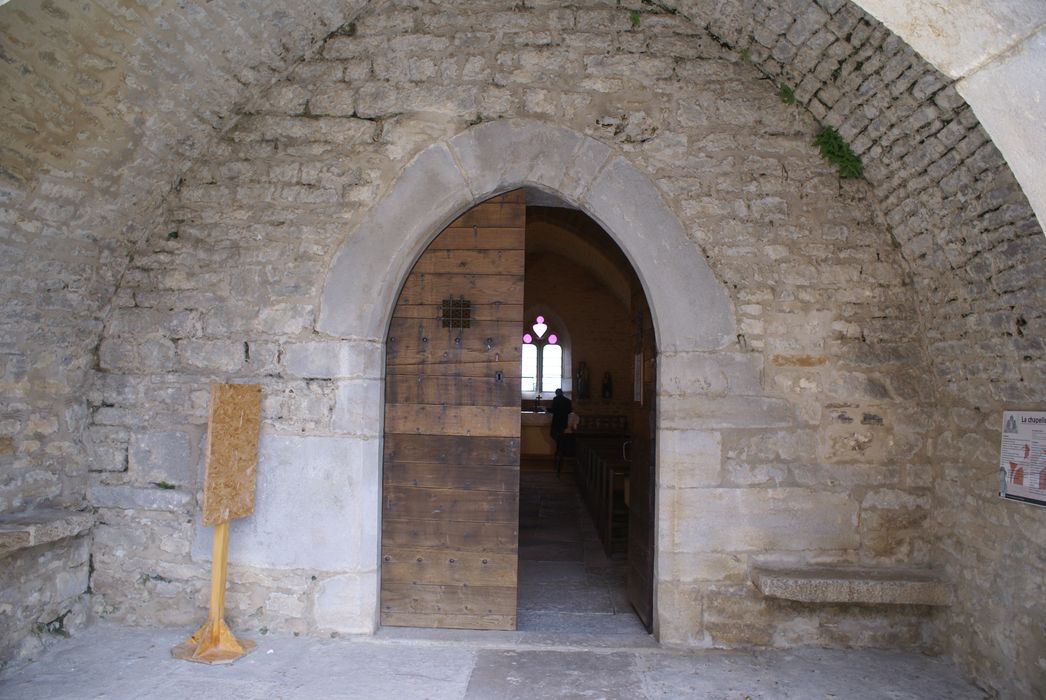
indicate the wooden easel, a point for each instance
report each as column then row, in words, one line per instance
column 228, row 493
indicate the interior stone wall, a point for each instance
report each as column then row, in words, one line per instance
column 805, row 441
column 598, row 324
column 105, row 104
column 964, row 225
column 89, row 153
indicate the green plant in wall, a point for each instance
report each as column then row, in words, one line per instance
column 634, row 19
column 838, row 152
column 787, row 94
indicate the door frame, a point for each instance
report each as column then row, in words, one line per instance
column 696, row 341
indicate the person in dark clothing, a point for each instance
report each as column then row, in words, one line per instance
column 561, row 407
column 560, row 410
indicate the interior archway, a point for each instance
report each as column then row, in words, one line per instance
column 449, row 177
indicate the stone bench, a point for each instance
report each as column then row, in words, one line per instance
column 32, row 528
column 852, row 584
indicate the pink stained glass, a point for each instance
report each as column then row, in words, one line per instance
column 540, row 319
column 527, row 338
column 552, row 339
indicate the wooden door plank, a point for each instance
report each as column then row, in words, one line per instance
column 509, row 313
column 450, row 535
column 408, row 352
column 451, row 476
column 493, row 214
column 463, row 350
column 448, row 600
column 442, row 621
column 475, row 238
column 479, row 421
column 433, row 329
column 510, row 369
column 421, row 340
column 425, row 288
column 408, row 502
column 449, row 449
column 447, row 567
column 471, row 262
column 459, row 391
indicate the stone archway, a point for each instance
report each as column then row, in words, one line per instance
column 692, row 313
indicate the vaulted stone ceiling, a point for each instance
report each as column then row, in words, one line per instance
column 126, row 96
column 107, row 104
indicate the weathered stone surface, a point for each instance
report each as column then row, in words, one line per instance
column 144, row 498
column 999, row 92
column 504, row 154
column 356, row 301
column 759, row 519
column 164, row 456
column 316, row 507
column 358, row 407
column 333, row 359
column 621, row 198
column 348, row 603
column 694, row 411
column 688, row 458
column 43, row 597
column 892, row 586
column 19, row 531
column 630, row 208
column 712, row 374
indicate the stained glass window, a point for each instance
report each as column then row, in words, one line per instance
column 542, row 359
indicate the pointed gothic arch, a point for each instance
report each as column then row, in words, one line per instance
column 449, row 177
column 691, row 311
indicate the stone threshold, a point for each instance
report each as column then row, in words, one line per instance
column 32, row 528
column 853, row 584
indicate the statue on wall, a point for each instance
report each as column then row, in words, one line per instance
column 608, row 386
column 582, row 380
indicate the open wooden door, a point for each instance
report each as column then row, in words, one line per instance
column 450, row 505
column 641, row 479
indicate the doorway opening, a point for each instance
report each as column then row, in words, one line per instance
column 512, row 301
column 580, row 494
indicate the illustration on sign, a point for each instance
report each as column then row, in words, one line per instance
column 1022, row 460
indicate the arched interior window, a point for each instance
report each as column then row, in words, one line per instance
column 542, row 360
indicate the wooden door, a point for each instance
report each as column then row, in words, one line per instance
column 642, row 481
column 450, row 505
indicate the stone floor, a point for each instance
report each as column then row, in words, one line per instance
column 577, row 638
column 566, row 582
column 109, row 661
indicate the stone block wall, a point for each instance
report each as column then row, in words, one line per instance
column 46, row 596
column 962, row 222
column 107, row 107
column 89, row 154
column 808, row 437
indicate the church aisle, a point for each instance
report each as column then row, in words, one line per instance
column 566, row 583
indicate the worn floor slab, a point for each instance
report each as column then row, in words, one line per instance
column 566, row 583
column 110, row 661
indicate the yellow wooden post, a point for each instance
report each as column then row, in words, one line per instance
column 232, row 443
column 213, row 642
